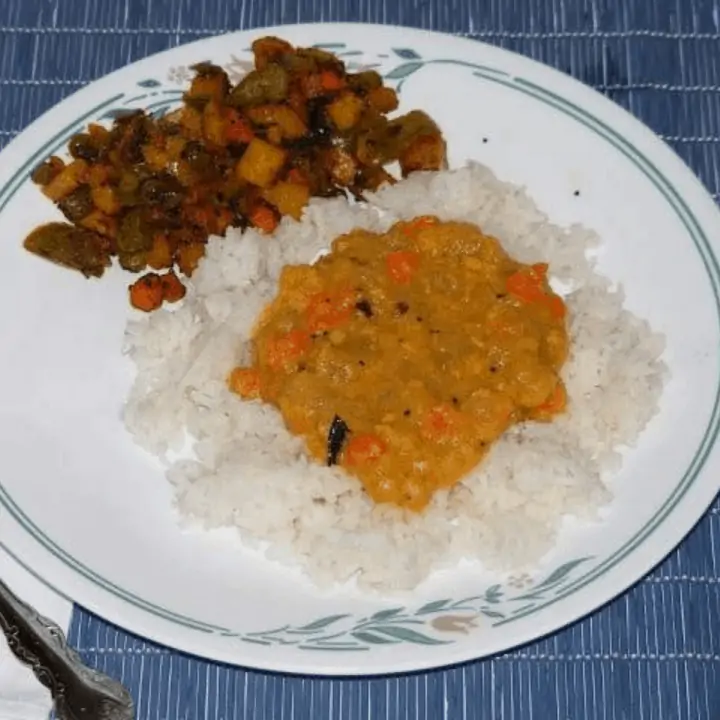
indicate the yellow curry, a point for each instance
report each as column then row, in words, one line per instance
column 403, row 356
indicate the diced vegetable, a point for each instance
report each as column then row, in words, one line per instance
column 401, row 265
column 188, row 257
column 266, row 85
column 161, row 254
column 287, row 348
column 269, row 49
column 297, row 126
column 383, row 99
column 289, row 198
column 285, row 118
column 345, row 111
column 362, row 449
column 146, row 294
column 211, row 83
column 426, row 152
column 263, row 218
column 260, row 163
column 424, row 221
column 245, row 382
column 330, row 81
column 106, row 200
column 173, row 289
column 326, row 311
column 237, row 129
column 556, row 402
column 67, row 180
column 441, row 422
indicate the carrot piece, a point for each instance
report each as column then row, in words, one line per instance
column 526, row 287
column 362, row 449
column 556, row 402
column 200, row 215
column 237, row 129
column 263, row 218
column 330, row 81
column 146, row 294
column 223, row 218
column 401, row 265
column 440, row 422
column 297, row 177
column 284, row 349
column 173, row 289
column 245, row 382
column 326, row 311
column 419, row 223
column 557, row 306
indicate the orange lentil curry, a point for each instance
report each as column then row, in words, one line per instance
column 403, row 356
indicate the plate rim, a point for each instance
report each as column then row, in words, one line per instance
column 703, row 451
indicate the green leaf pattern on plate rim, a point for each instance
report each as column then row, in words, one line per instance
column 438, row 622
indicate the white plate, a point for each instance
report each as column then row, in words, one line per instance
column 92, row 514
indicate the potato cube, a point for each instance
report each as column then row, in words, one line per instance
column 260, row 163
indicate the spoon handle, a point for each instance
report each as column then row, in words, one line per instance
column 79, row 692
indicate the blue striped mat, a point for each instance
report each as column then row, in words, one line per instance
column 653, row 653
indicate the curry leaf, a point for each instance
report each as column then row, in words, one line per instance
column 372, row 639
column 402, row 71
column 406, row 53
column 322, row 622
column 560, row 573
column 432, row 607
column 387, row 614
column 406, row 634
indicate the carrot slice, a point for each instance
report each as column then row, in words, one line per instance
column 556, row 402
column 401, row 265
column 441, row 422
column 287, row 348
column 237, row 129
column 146, row 294
column 419, row 223
column 173, row 289
column 557, row 306
column 362, row 449
column 525, row 286
column 331, row 81
column 326, row 311
column 264, row 218
column 245, row 382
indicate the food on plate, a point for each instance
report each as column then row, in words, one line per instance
column 150, row 191
column 404, row 355
column 250, row 472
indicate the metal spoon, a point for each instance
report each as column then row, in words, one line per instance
column 79, row 692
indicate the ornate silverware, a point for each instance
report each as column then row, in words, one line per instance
column 79, row 692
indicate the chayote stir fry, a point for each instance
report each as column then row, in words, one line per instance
column 150, row 191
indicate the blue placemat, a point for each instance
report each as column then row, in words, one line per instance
column 653, row 653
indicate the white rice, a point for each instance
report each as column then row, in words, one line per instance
column 250, row 473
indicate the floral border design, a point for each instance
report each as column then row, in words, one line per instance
column 435, row 622
column 431, row 624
